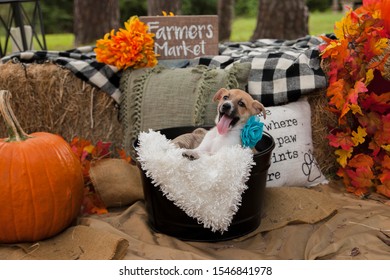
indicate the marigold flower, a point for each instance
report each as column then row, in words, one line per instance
column 129, row 47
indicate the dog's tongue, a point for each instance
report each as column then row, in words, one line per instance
column 223, row 124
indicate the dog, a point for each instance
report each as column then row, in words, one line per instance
column 234, row 108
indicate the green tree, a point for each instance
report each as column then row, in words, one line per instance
column 57, row 16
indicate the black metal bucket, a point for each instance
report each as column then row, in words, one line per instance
column 167, row 218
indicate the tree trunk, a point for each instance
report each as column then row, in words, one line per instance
column 225, row 18
column 282, row 19
column 93, row 19
column 156, row 7
column 336, row 5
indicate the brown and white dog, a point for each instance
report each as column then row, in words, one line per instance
column 234, row 108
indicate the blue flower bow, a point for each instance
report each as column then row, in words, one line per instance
column 252, row 132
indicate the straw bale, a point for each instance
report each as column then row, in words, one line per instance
column 46, row 97
column 322, row 120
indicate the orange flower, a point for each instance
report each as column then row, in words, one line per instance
column 129, row 47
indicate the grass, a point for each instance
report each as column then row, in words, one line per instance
column 319, row 23
column 59, row 42
column 242, row 30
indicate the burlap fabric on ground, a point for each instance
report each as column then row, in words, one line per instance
column 298, row 223
column 75, row 243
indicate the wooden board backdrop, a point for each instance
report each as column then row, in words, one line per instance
column 179, row 37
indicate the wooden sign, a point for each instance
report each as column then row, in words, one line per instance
column 179, row 37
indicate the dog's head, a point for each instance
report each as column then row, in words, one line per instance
column 234, row 108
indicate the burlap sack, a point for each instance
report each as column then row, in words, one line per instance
column 117, row 182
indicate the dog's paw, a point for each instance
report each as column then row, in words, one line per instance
column 190, row 154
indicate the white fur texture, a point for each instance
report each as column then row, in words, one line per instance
column 208, row 189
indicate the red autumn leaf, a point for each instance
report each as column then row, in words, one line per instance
column 378, row 103
column 361, row 178
column 341, row 139
column 382, row 134
column 371, row 122
column 92, row 204
column 102, row 149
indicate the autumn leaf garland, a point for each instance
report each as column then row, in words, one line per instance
column 362, row 136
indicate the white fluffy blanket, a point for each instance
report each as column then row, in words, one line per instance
column 208, row 189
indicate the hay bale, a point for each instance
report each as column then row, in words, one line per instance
column 46, row 97
column 321, row 121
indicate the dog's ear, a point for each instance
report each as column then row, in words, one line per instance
column 219, row 94
column 258, row 108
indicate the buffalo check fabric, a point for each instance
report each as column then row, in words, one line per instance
column 82, row 62
column 281, row 70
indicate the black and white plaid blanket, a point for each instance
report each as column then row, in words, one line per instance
column 281, row 70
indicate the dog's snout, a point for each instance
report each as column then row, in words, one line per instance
column 226, row 107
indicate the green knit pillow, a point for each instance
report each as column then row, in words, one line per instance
column 157, row 98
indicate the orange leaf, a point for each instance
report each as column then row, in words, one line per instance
column 335, row 92
column 361, row 160
column 123, row 155
column 361, row 178
column 385, row 15
column 384, row 189
column 386, row 162
column 342, row 173
column 385, row 176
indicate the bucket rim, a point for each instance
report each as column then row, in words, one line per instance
column 268, row 149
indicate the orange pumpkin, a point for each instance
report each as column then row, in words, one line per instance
column 41, row 182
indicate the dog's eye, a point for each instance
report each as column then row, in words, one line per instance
column 241, row 104
column 226, row 97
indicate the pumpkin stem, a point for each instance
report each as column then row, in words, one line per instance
column 16, row 132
